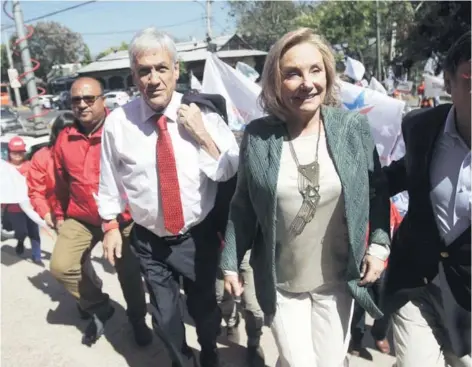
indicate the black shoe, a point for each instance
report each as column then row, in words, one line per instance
column 142, row 334
column 20, row 248
column 96, row 327
column 232, row 333
column 255, row 357
column 209, row 358
column 83, row 314
column 38, row 262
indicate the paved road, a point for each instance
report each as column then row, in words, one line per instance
column 40, row 326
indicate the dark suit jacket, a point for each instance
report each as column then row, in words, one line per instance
column 417, row 247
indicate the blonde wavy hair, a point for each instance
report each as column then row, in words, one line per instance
column 271, row 81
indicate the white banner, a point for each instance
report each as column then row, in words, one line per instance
column 384, row 114
column 13, row 190
column 195, row 83
column 240, row 93
column 377, row 86
column 247, row 71
column 433, row 86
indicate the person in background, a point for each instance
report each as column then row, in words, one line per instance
column 41, row 180
column 310, row 179
column 253, row 315
column 428, row 279
column 21, row 224
column 170, row 194
column 77, row 169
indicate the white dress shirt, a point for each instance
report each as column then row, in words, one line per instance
column 451, row 201
column 128, row 171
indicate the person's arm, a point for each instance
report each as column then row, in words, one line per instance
column 379, row 206
column 36, row 180
column 62, row 179
column 396, row 177
column 222, row 166
column 241, row 228
column 111, row 198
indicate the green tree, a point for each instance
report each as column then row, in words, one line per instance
column 261, row 23
column 87, row 59
column 4, row 64
column 53, row 43
column 352, row 25
column 436, row 26
column 122, row 47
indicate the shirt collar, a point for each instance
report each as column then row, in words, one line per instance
column 450, row 126
column 170, row 111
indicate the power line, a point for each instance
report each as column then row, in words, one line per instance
column 52, row 13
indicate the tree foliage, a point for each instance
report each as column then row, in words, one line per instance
column 122, row 47
column 351, row 25
column 87, row 59
column 4, row 66
column 261, row 23
column 437, row 25
column 53, row 43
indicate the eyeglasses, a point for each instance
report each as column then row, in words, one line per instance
column 89, row 100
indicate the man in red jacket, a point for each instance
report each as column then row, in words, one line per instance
column 77, row 168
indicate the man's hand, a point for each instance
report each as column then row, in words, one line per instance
column 233, row 285
column 112, row 244
column 191, row 118
column 372, row 268
column 48, row 220
column 59, row 224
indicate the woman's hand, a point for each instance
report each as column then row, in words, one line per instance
column 233, row 285
column 372, row 268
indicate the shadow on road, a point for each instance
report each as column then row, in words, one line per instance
column 118, row 332
column 10, row 257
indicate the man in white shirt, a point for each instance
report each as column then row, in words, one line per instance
column 170, row 194
column 428, row 277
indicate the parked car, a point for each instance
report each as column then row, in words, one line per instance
column 9, row 120
column 116, row 99
column 46, row 101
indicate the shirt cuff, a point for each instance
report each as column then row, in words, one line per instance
column 379, row 251
column 229, row 272
column 214, row 169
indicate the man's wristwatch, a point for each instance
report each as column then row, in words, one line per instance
column 109, row 225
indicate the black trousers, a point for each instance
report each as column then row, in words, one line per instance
column 194, row 256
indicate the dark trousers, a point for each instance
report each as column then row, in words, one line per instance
column 25, row 227
column 380, row 327
column 194, row 256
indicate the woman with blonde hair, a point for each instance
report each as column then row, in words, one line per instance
column 309, row 185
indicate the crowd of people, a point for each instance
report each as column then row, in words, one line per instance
column 294, row 223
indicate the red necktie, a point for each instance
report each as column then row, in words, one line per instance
column 168, row 180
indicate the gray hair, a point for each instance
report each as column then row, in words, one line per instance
column 149, row 39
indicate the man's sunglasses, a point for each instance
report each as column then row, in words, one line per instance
column 89, row 100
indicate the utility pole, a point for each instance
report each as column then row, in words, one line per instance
column 11, row 66
column 26, row 59
column 208, row 24
column 379, row 45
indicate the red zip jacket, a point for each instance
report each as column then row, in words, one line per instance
column 77, row 172
column 23, row 169
column 41, row 182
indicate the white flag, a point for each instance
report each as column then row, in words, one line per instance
column 240, row 93
column 383, row 112
column 354, row 69
column 433, row 86
column 377, row 86
column 247, row 71
column 195, row 83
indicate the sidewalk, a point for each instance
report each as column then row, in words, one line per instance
column 40, row 326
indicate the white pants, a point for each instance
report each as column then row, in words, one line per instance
column 420, row 337
column 313, row 329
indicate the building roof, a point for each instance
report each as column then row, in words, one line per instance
column 188, row 52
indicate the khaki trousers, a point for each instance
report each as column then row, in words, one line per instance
column 71, row 266
column 419, row 335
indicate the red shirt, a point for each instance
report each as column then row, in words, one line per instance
column 77, row 169
column 41, row 182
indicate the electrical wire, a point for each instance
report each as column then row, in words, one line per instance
column 52, row 13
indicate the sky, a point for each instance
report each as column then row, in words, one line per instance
column 104, row 24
